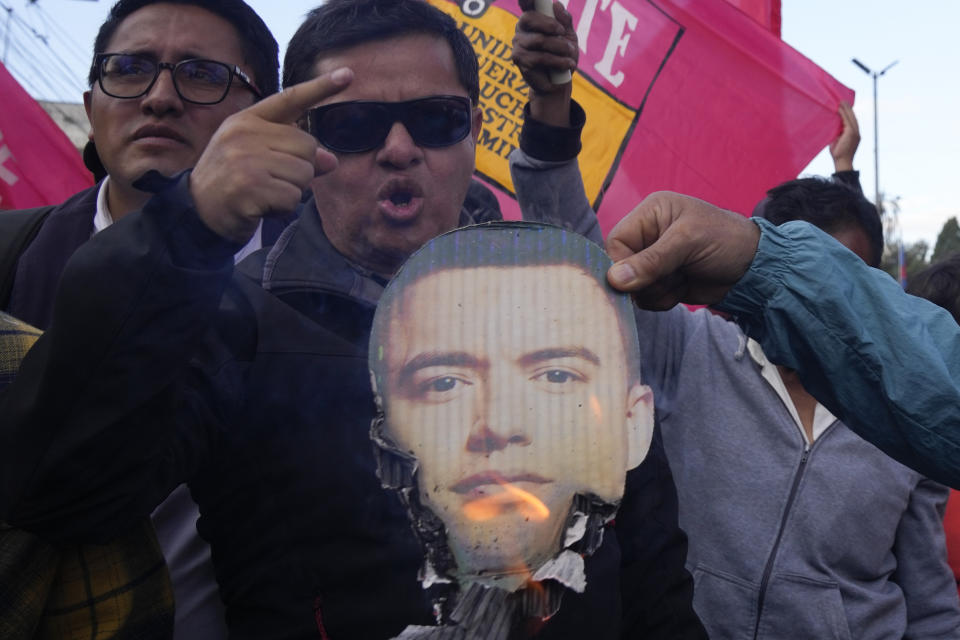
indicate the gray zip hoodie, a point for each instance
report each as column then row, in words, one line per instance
column 834, row 540
column 789, row 540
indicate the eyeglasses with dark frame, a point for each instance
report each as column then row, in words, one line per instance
column 127, row 75
column 363, row 125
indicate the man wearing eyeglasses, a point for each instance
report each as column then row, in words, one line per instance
column 254, row 385
column 167, row 120
column 164, row 76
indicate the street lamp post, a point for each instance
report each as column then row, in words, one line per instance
column 876, row 138
column 901, row 260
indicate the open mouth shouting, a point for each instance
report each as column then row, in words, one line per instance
column 400, row 199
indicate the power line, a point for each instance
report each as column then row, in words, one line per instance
column 54, row 72
column 34, row 76
column 45, row 40
column 61, row 35
column 41, row 66
column 40, row 69
column 6, row 37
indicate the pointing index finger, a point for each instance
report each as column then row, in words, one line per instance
column 291, row 103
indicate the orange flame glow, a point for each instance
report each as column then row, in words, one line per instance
column 535, row 624
column 511, row 498
column 597, row 409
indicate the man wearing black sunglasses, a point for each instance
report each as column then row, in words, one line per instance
column 164, row 76
column 254, row 385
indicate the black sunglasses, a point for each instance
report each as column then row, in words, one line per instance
column 362, row 125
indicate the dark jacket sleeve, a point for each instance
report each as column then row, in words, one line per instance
column 886, row 363
column 849, row 178
column 96, row 430
column 547, row 178
column 656, row 589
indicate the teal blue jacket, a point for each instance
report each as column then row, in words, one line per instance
column 886, row 363
column 861, row 552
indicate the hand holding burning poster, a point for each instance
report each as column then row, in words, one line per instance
column 507, row 372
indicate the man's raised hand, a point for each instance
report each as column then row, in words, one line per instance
column 845, row 146
column 673, row 248
column 259, row 161
column 542, row 45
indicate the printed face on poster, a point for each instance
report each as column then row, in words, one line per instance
column 507, row 372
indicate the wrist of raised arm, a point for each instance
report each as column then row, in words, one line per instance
column 762, row 280
column 191, row 243
column 843, row 164
column 544, row 141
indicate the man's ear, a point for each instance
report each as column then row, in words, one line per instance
column 476, row 124
column 639, row 423
column 87, row 106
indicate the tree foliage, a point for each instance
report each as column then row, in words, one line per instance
column 914, row 255
column 948, row 241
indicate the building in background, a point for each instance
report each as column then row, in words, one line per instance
column 72, row 120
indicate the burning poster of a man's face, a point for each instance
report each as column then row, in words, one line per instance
column 507, row 372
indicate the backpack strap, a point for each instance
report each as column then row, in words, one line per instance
column 17, row 230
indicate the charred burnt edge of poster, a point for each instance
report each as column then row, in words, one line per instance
column 681, row 29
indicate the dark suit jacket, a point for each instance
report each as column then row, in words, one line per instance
column 66, row 228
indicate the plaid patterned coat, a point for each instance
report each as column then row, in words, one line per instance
column 119, row 590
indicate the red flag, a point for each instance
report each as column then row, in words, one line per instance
column 766, row 12
column 684, row 95
column 38, row 163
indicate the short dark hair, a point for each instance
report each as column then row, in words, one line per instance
column 340, row 24
column 259, row 47
column 829, row 205
column 940, row 284
column 506, row 245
